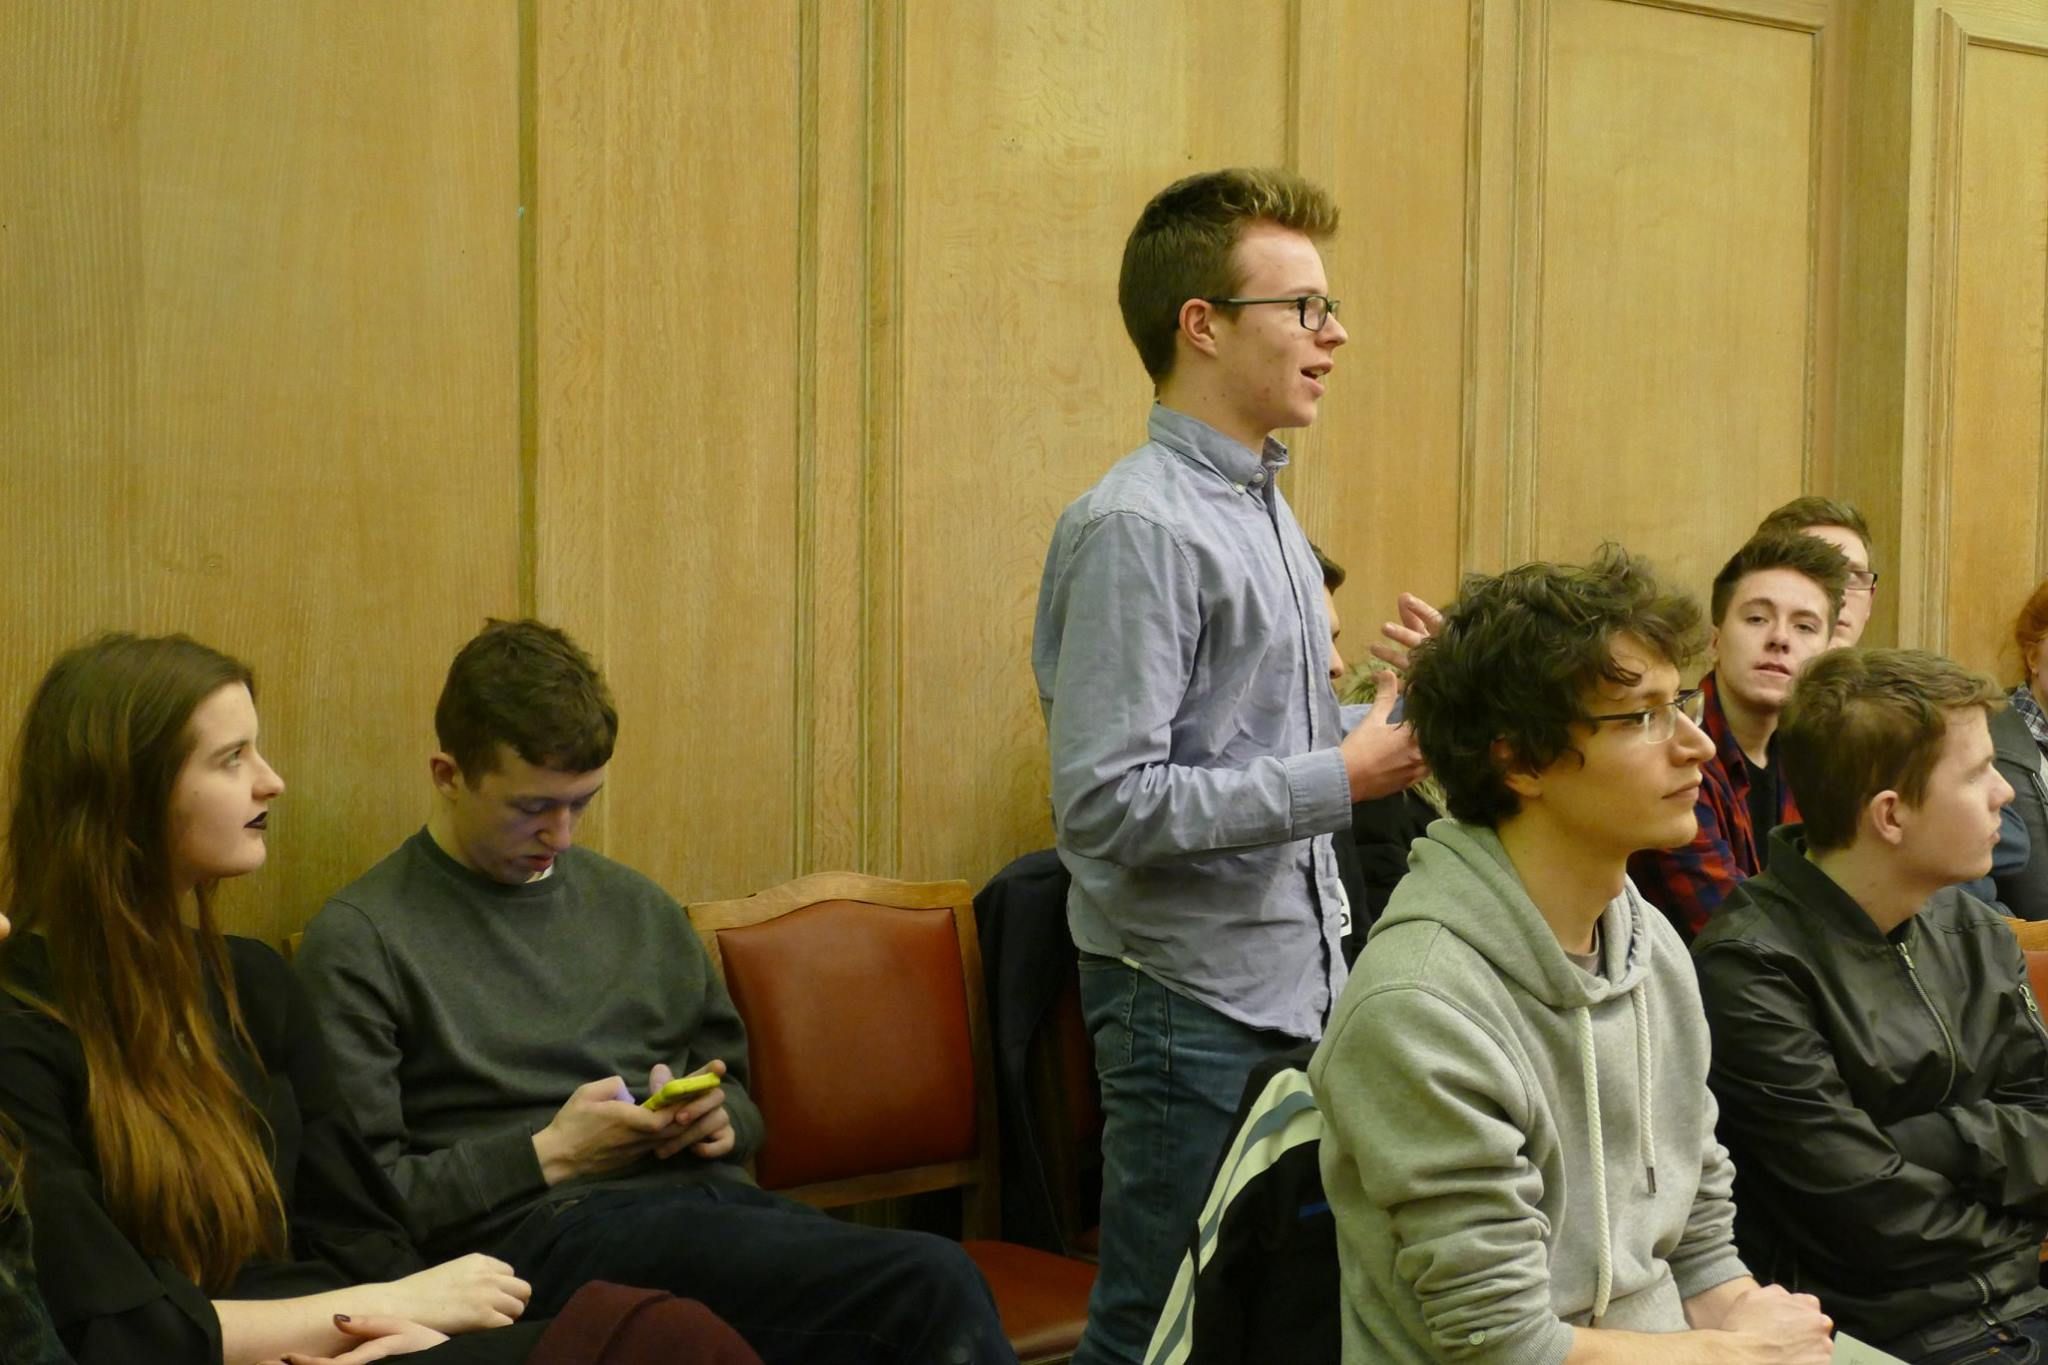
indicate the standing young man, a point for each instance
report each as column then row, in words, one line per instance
column 1880, row 1063
column 487, row 988
column 1843, row 527
column 1198, row 765
column 1520, row 1146
column 1774, row 609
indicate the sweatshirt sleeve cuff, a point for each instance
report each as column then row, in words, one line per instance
column 504, row 1168
column 1696, row 1275
column 1319, row 794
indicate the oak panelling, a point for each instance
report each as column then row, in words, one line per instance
column 1032, row 135
column 258, row 372
column 1670, row 218
column 1383, row 126
column 1990, row 292
column 669, row 392
column 1874, row 404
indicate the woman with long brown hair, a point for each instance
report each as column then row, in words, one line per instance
column 197, row 1193
column 26, row 1336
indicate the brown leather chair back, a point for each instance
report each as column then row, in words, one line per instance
column 866, row 1043
column 858, row 1039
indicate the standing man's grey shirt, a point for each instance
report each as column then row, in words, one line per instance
column 1181, row 653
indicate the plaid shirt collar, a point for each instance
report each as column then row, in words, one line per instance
column 2031, row 712
column 1715, row 722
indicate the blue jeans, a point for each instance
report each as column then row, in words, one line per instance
column 799, row 1286
column 1172, row 1073
column 2024, row 1341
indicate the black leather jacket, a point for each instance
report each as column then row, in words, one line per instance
column 1885, row 1099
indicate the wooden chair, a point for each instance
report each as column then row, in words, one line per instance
column 2033, row 936
column 869, row 1056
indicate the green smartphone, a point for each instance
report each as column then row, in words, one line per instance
column 681, row 1088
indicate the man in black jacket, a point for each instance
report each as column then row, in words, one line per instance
column 1881, row 1067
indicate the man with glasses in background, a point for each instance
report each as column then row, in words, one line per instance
column 1199, row 762
column 1843, row 527
column 1774, row 607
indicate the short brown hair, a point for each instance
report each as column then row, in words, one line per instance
column 1804, row 513
column 1803, row 554
column 2031, row 626
column 525, row 684
column 1183, row 247
column 1514, row 659
column 1333, row 572
column 1864, row 721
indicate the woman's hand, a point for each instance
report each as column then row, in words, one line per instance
column 467, row 1294
column 382, row 1338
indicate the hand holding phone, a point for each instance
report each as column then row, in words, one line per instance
column 681, row 1088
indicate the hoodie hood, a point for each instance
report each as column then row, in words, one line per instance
column 1460, row 878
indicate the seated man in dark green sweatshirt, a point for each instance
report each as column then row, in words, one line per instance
column 1520, row 1149
column 487, row 988
column 1879, row 1060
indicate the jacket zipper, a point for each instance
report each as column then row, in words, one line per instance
column 2033, row 1009
column 1948, row 1041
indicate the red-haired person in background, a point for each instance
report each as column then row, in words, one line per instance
column 2020, row 733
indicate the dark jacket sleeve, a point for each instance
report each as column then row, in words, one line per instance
column 2023, row 890
column 1785, row 1107
column 111, row 1304
column 1997, row 1145
column 345, row 1212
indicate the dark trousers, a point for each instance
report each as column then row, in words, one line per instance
column 2023, row 1341
column 798, row 1285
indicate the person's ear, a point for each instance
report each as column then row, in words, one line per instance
column 1198, row 325
column 1525, row 783
column 446, row 774
column 1884, row 814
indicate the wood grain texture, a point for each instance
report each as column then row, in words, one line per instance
column 668, row 394
column 258, row 373
column 1033, row 136
column 1390, row 100
column 1670, row 245
column 1990, row 276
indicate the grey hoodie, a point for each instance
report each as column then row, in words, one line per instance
column 1515, row 1145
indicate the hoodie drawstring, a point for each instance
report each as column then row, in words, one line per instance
column 1604, row 1287
column 1646, row 1109
column 1646, row 1085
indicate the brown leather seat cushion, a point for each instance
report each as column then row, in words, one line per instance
column 1043, row 1298
column 853, row 1082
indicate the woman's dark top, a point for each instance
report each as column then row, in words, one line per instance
column 111, row 1303
column 26, row 1337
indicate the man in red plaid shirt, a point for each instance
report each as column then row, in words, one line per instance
column 1774, row 608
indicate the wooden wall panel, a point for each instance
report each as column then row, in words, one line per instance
column 1990, row 295
column 257, row 373
column 1670, row 214
column 667, row 392
column 1381, row 120
column 1032, row 136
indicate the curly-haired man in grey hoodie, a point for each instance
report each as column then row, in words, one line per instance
column 1520, row 1150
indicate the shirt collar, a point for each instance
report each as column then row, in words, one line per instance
column 2030, row 712
column 1715, row 722
column 1195, row 440
column 1791, row 866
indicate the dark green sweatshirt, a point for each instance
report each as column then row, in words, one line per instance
column 462, row 1012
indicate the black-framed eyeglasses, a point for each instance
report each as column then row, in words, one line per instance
column 1313, row 309
column 1862, row 580
column 1660, row 722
